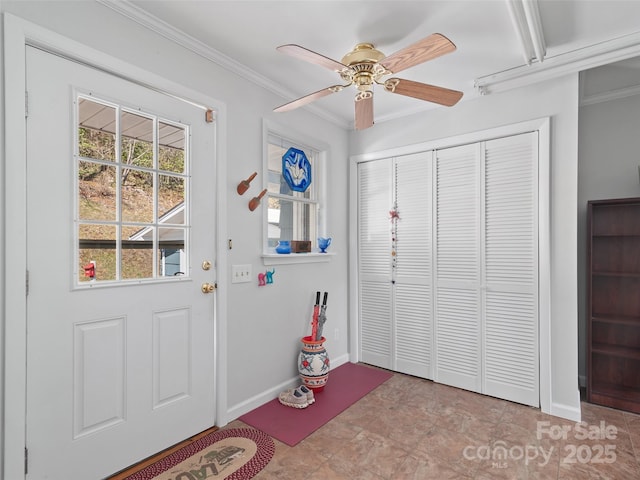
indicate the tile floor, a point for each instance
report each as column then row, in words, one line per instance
column 410, row 428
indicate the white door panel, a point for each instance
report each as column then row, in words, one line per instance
column 374, row 262
column 413, row 308
column 511, row 360
column 457, row 283
column 116, row 371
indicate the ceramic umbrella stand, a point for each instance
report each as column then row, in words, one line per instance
column 313, row 363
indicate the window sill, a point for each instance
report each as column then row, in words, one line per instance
column 295, row 258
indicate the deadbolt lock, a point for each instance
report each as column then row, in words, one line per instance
column 206, row 265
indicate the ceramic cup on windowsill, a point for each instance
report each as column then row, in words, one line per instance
column 323, row 244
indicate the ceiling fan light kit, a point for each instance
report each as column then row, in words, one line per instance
column 364, row 67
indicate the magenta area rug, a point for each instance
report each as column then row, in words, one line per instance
column 346, row 385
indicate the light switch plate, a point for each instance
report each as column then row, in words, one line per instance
column 240, row 273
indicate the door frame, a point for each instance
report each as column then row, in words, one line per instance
column 18, row 34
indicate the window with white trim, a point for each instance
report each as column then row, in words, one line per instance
column 293, row 195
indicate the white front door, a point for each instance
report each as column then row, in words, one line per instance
column 120, row 357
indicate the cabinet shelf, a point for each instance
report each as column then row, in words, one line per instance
column 613, row 343
column 628, row 393
column 617, row 274
column 615, row 235
column 617, row 320
column 617, row 396
column 616, row 351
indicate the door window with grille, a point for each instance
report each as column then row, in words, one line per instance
column 132, row 184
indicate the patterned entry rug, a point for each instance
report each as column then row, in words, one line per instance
column 234, row 454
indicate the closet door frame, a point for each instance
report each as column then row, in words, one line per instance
column 542, row 126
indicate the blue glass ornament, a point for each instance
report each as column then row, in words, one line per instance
column 296, row 170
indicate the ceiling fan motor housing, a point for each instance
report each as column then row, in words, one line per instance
column 364, row 69
column 362, row 52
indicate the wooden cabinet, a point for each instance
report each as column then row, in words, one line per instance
column 613, row 346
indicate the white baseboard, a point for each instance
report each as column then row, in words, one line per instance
column 569, row 412
column 266, row 396
column 341, row 360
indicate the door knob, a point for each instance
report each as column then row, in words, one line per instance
column 208, row 287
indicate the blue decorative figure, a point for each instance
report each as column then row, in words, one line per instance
column 296, row 170
column 284, row 246
column 323, row 244
column 269, row 275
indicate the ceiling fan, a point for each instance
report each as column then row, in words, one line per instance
column 364, row 66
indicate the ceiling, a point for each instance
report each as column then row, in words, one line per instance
column 243, row 36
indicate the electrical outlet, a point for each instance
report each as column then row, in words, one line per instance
column 240, row 273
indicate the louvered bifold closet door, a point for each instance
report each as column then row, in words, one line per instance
column 511, row 269
column 413, row 306
column 374, row 261
column 457, row 283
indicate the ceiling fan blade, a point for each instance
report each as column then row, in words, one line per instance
column 308, row 98
column 428, row 48
column 364, row 110
column 312, row 57
column 423, row 91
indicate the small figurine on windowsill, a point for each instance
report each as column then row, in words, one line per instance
column 323, row 244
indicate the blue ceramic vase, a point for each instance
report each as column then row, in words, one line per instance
column 284, row 246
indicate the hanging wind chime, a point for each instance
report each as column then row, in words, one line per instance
column 394, row 217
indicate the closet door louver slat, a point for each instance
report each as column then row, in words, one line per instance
column 413, row 330
column 413, row 198
column 458, row 338
column 374, row 228
column 375, row 326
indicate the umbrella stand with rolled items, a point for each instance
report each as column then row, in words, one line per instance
column 313, row 360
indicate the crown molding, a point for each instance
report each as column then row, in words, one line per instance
column 604, row 96
column 153, row 23
column 609, row 95
column 610, row 51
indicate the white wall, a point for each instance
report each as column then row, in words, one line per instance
column 557, row 99
column 608, row 168
column 263, row 324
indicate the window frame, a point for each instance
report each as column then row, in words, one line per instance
column 319, row 166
